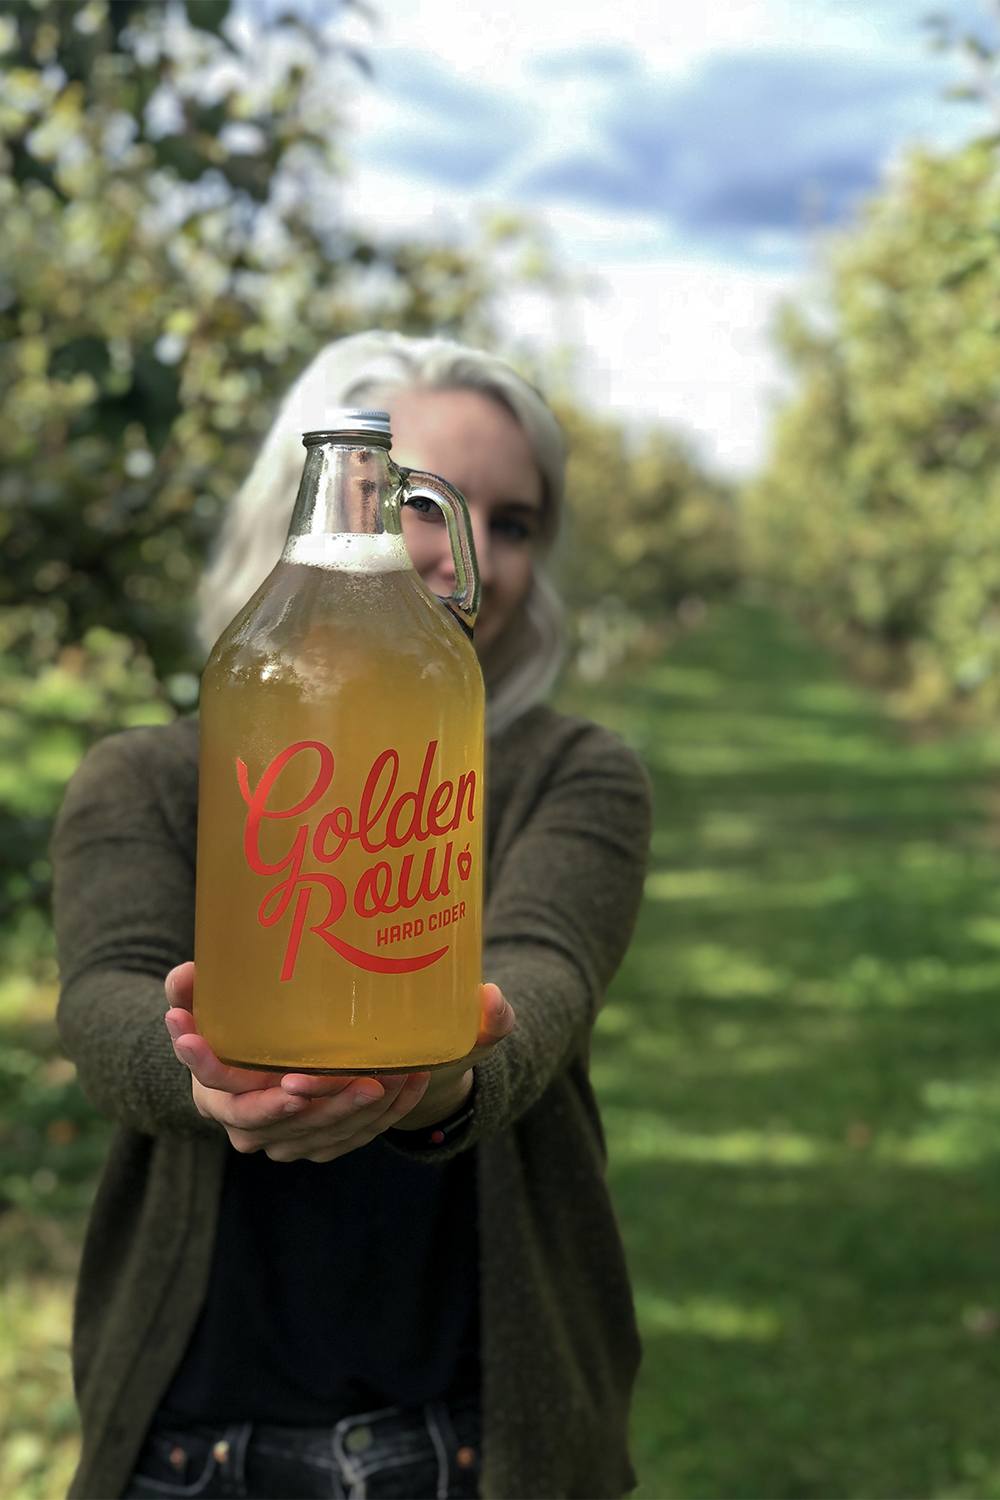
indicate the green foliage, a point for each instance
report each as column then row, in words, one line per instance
column 650, row 532
column 173, row 252
column 54, row 700
column 878, row 513
column 168, row 263
column 649, row 525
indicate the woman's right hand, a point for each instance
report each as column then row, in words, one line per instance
column 257, row 1114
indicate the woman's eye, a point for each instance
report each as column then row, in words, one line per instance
column 514, row 531
column 425, row 509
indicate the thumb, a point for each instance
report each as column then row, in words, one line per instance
column 496, row 1018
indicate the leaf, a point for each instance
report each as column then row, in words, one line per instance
column 208, row 15
column 960, row 274
column 978, row 49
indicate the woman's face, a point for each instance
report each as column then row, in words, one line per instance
column 477, row 445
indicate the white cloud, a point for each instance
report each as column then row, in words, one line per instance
column 678, row 342
column 659, row 337
column 485, row 42
column 670, row 337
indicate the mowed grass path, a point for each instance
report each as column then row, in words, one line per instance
column 800, row 1072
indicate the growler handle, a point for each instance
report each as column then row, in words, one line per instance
column 463, row 601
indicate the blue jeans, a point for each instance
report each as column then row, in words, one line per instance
column 422, row 1453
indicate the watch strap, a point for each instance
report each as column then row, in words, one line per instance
column 439, row 1134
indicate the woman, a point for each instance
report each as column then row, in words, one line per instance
column 389, row 1287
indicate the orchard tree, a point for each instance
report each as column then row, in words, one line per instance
column 878, row 513
column 650, row 531
column 174, row 250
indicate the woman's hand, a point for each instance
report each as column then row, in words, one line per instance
column 302, row 1116
column 446, row 1089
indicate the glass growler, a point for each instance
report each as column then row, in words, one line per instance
column 340, row 820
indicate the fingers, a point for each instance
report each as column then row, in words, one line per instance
column 261, row 1109
column 322, row 1140
column 193, row 1051
column 268, row 1107
column 409, row 1096
column 179, row 1022
column 319, row 1085
column 327, row 1128
column 179, row 985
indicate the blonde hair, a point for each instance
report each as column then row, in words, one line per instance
column 522, row 665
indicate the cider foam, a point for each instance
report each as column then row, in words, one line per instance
column 349, row 552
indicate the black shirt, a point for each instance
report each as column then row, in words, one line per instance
column 335, row 1288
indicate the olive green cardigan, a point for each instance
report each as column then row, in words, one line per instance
column 568, row 830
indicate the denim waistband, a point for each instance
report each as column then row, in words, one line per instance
column 409, row 1452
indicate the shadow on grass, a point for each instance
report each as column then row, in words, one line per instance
column 799, row 1071
column 814, row 1331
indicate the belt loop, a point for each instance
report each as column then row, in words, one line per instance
column 433, row 1413
column 348, row 1466
column 238, row 1436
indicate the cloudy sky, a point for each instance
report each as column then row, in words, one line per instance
column 687, row 158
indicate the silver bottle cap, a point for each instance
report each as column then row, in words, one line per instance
column 351, row 422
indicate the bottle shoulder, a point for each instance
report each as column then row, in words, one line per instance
column 320, row 617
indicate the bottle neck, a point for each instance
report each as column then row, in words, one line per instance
column 347, row 492
column 346, row 489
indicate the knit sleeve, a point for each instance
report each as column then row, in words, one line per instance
column 558, row 921
column 123, row 902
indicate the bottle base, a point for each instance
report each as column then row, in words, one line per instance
column 361, row 1072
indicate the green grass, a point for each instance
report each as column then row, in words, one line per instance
column 51, row 1147
column 799, row 1066
column 800, row 1071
